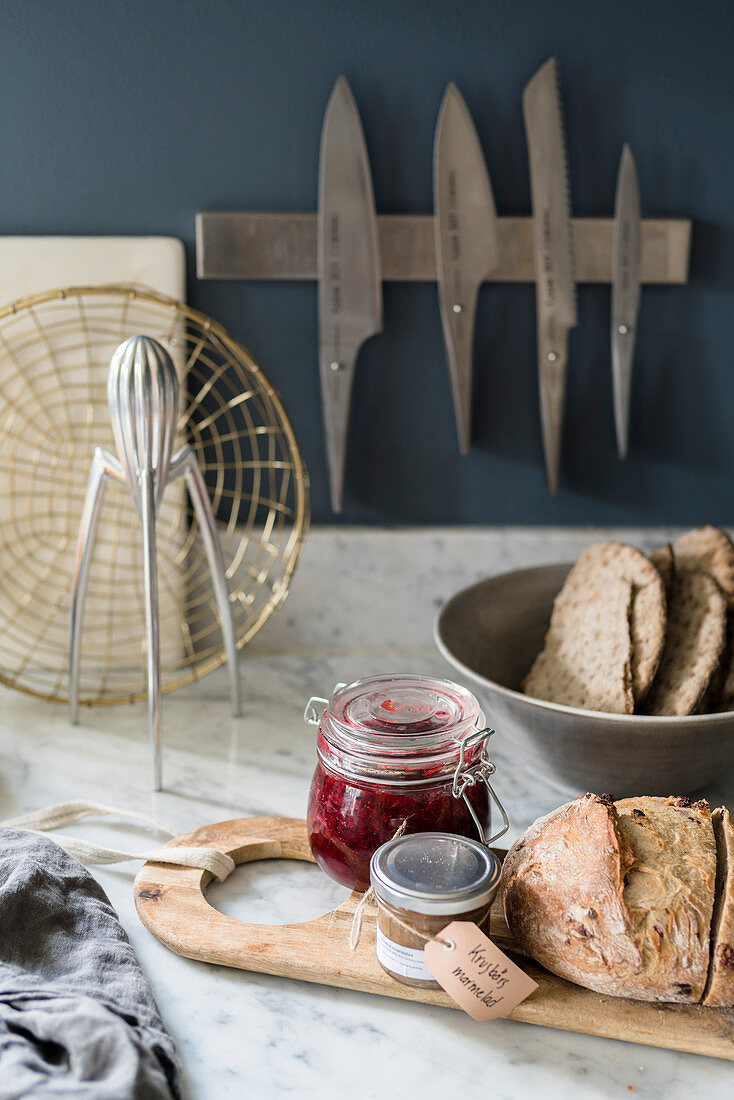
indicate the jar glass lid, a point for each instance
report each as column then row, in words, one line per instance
column 435, row 873
column 403, row 706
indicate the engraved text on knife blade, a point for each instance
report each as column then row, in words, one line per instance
column 455, row 250
column 335, row 276
column 626, row 257
column 549, row 280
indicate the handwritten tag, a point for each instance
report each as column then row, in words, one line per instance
column 479, row 977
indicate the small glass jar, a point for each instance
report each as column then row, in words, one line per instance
column 422, row 883
column 395, row 751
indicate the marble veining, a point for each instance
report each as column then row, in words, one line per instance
column 362, row 602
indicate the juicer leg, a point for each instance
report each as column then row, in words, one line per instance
column 103, row 466
column 152, row 624
column 186, row 462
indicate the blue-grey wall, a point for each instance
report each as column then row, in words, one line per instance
column 129, row 116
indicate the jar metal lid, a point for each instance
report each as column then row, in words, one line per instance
column 435, row 873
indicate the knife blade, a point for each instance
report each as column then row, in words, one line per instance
column 555, row 291
column 467, row 243
column 626, row 262
column 349, row 277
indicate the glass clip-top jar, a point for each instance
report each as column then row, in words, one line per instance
column 396, row 751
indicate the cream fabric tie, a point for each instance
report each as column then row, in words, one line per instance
column 66, row 813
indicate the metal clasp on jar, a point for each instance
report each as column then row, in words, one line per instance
column 314, row 709
column 467, row 775
column 316, row 706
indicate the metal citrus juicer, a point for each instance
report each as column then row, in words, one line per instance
column 143, row 396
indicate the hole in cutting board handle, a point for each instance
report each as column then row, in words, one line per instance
column 276, row 891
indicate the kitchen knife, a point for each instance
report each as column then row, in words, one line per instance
column 350, row 286
column 626, row 252
column 555, row 289
column 467, row 243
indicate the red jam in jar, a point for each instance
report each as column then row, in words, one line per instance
column 388, row 752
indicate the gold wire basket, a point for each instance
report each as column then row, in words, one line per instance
column 55, row 350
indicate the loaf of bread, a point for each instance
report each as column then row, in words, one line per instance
column 619, row 897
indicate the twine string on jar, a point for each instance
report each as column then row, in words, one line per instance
column 355, row 932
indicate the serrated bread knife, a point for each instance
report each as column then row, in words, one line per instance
column 555, row 288
column 626, row 258
column 350, row 286
column 467, row 243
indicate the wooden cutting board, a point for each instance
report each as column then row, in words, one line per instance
column 171, row 904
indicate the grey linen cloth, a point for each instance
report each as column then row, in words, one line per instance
column 77, row 1016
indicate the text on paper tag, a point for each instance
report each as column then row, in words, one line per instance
column 472, row 970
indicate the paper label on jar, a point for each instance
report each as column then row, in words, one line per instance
column 408, row 962
column 475, row 973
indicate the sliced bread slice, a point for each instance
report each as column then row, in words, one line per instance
column 670, row 891
column 694, row 645
column 607, row 560
column 587, row 657
column 708, row 550
column 720, row 986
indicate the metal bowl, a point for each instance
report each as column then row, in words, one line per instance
column 493, row 630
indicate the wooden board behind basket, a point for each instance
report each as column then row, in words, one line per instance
column 171, row 904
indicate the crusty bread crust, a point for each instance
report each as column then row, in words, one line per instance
column 563, row 893
column 617, row 897
column 720, row 988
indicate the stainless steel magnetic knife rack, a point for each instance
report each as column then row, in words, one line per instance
column 261, row 246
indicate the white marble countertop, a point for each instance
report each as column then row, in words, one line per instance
column 362, row 602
